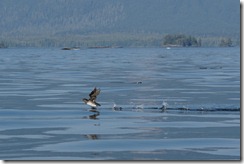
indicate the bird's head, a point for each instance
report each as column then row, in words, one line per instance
column 85, row 100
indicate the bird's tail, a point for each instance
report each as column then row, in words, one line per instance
column 97, row 104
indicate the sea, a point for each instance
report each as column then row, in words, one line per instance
column 176, row 104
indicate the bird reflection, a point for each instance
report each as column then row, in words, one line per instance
column 93, row 110
column 94, row 115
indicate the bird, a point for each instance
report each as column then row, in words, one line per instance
column 92, row 100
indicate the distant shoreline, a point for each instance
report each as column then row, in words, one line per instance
column 108, row 41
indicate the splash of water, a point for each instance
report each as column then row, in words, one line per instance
column 116, row 108
column 164, row 106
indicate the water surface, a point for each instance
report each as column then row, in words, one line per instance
column 42, row 115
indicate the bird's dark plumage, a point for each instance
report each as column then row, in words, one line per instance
column 92, row 100
column 94, row 93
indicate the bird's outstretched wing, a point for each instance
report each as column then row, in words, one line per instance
column 94, row 93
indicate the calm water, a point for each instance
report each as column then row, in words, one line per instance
column 42, row 115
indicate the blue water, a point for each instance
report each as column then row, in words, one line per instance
column 42, row 115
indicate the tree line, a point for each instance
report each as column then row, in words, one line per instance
column 120, row 40
column 181, row 40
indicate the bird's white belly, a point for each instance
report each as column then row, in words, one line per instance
column 91, row 104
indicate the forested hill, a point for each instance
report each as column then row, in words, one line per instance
column 25, row 18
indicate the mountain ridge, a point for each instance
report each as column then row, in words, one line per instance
column 34, row 18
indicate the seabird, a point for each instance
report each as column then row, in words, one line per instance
column 92, row 100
